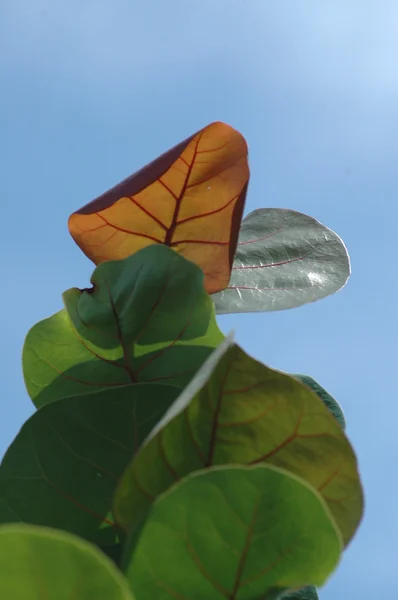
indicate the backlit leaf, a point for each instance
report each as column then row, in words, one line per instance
column 191, row 199
column 284, row 259
column 63, row 467
column 37, row 563
column 147, row 318
column 247, row 413
column 233, row 533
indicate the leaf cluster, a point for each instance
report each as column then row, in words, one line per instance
column 163, row 462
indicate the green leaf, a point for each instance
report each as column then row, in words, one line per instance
column 114, row 552
column 246, row 413
column 41, row 564
column 326, row 398
column 307, row 593
column 63, row 467
column 284, row 259
column 195, row 385
column 146, row 318
column 235, row 532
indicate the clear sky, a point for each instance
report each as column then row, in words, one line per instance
column 91, row 90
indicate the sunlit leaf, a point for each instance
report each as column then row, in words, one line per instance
column 326, row 398
column 146, row 318
column 63, row 467
column 247, row 413
column 44, row 564
column 231, row 533
column 191, row 198
column 284, row 259
column 195, row 385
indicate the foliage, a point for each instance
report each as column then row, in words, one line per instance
column 163, row 461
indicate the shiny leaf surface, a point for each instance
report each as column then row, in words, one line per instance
column 43, row 564
column 147, row 318
column 284, row 259
column 233, row 533
column 191, row 199
column 247, row 413
column 326, row 398
column 63, row 467
column 307, row 593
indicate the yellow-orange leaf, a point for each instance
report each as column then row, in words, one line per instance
column 191, row 198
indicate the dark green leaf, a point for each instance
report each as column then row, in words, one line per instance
column 234, row 532
column 63, row 466
column 307, row 593
column 146, row 318
column 44, row 564
column 284, row 259
column 245, row 413
column 114, row 552
column 326, row 398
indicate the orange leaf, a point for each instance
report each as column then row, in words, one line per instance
column 191, row 198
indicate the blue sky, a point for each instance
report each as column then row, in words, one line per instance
column 92, row 90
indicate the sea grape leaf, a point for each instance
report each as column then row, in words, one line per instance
column 235, row 532
column 246, row 413
column 114, row 552
column 191, row 199
column 326, row 398
column 37, row 563
column 307, row 593
column 146, row 318
column 284, row 259
column 194, row 386
column 62, row 469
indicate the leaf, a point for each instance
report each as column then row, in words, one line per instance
column 194, row 386
column 307, row 593
column 232, row 533
column 284, row 259
column 41, row 564
column 114, row 552
column 326, row 398
column 246, row 413
column 191, row 199
column 63, row 467
column 146, row 318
